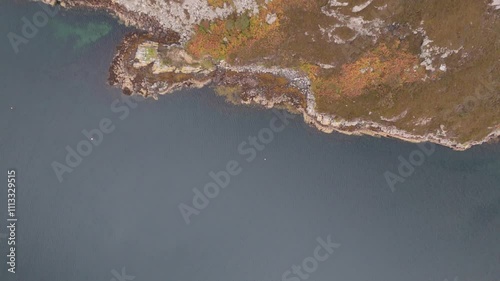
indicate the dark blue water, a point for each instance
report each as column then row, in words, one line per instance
column 119, row 208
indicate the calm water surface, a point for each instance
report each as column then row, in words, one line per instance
column 119, row 208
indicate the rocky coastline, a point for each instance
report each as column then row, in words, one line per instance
column 136, row 73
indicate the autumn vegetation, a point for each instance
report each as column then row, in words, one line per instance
column 244, row 38
column 391, row 66
column 220, row 3
column 222, row 37
column 372, row 79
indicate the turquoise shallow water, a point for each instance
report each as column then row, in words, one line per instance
column 119, row 208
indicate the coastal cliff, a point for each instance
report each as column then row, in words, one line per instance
column 419, row 72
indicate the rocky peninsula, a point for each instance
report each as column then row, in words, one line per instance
column 420, row 71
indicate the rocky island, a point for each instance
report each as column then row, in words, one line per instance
column 413, row 70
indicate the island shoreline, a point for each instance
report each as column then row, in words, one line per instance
column 119, row 76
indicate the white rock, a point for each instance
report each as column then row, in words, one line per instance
column 271, row 18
